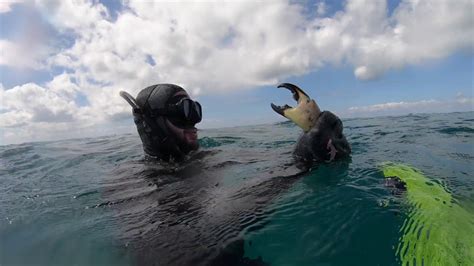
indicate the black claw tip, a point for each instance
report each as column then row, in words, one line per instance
column 277, row 109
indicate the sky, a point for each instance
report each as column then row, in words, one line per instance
column 63, row 63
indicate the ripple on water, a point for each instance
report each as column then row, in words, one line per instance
column 100, row 195
column 456, row 130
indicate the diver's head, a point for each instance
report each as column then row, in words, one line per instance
column 165, row 117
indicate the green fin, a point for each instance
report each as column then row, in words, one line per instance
column 437, row 231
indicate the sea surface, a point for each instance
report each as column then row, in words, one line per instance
column 240, row 199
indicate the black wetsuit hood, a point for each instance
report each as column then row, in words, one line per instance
column 154, row 132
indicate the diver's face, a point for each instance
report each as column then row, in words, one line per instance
column 184, row 131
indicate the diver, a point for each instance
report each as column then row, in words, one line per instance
column 165, row 117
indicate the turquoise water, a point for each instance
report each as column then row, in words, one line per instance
column 98, row 202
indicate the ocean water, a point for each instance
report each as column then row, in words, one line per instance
column 240, row 199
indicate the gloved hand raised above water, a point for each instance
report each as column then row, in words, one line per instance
column 322, row 138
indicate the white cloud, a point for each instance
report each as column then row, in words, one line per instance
column 29, row 41
column 465, row 100
column 219, row 46
column 6, row 5
column 31, row 112
column 459, row 103
column 395, row 106
column 321, row 8
column 23, row 53
column 418, row 31
column 215, row 47
column 75, row 15
column 32, row 103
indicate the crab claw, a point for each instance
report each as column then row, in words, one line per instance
column 306, row 112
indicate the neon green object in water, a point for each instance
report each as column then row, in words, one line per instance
column 437, row 231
